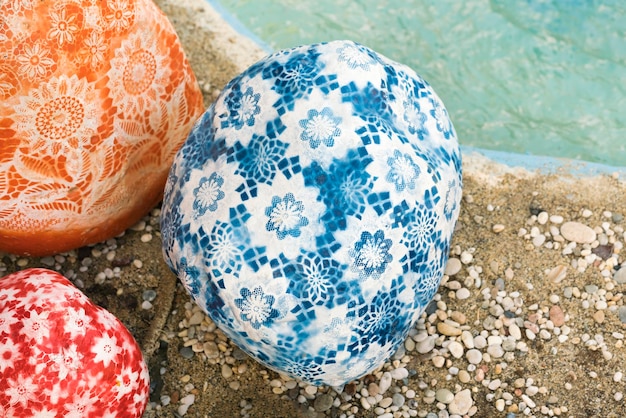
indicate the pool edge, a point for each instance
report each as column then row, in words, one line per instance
column 508, row 161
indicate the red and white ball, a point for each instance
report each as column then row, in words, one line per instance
column 63, row 356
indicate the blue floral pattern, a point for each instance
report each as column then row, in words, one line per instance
column 208, row 192
column 371, row 254
column 256, row 307
column 320, row 128
column 285, row 216
column 311, row 209
column 242, row 107
column 403, row 171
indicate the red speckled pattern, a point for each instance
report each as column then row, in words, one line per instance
column 96, row 97
column 63, row 356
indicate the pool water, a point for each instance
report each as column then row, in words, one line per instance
column 541, row 77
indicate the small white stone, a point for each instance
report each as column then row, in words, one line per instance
column 453, row 266
column 542, row 218
column 463, row 293
column 385, row 382
column 466, row 257
column 474, row 356
column 617, row 377
column 462, row 403
column 578, row 233
column 456, row 349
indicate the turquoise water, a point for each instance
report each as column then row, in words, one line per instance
column 529, row 76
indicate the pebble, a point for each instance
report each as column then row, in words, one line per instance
column 186, row 352
column 444, row 396
column 578, row 233
column 463, row 293
column 557, row 274
column 399, row 373
column 323, row 402
column 398, row 400
column 447, row 329
column 227, row 372
column 474, row 356
column 557, row 316
column 464, row 376
column 426, row 345
column 456, row 349
column 385, row 382
column 620, row 275
column 621, row 313
column 462, row 403
column 453, row 266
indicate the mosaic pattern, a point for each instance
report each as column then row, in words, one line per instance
column 63, row 356
column 95, row 100
column 311, row 209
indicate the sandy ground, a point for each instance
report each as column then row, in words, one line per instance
column 574, row 377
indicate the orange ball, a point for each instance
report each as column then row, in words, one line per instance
column 96, row 97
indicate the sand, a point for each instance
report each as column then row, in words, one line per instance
column 572, row 378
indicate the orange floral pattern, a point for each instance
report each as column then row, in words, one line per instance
column 96, row 97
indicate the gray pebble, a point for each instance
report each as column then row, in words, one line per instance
column 617, row 217
column 398, row 400
column 622, row 314
column 323, row 402
column 444, row 396
column 567, row 292
column 149, row 295
column 186, row 352
column 426, row 345
column 432, row 415
column 620, row 275
column 239, row 354
column 591, row 288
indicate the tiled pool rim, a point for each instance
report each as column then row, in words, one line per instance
column 534, row 163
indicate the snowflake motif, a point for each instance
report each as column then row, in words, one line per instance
column 81, row 407
column 35, row 62
column 381, row 319
column 444, row 125
column 285, row 216
column 256, row 307
column 420, row 228
column 294, row 78
column 403, row 171
column 317, row 280
column 371, row 104
column 242, row 108
column 356, row 57
column 415, row 119
column 76, row 322
column 309, row 369
column 67, row 362
column 106, row 350
column 126, row 382
column 452, row 199
column 259, row 161
column 371, row 254
column 207, row 194
column 343, row 188
column 63, row 27
column 320, row 127
column 36, row 327
column 223, row 249
column 22, row 390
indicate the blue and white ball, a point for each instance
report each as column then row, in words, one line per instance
column 311, row 209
